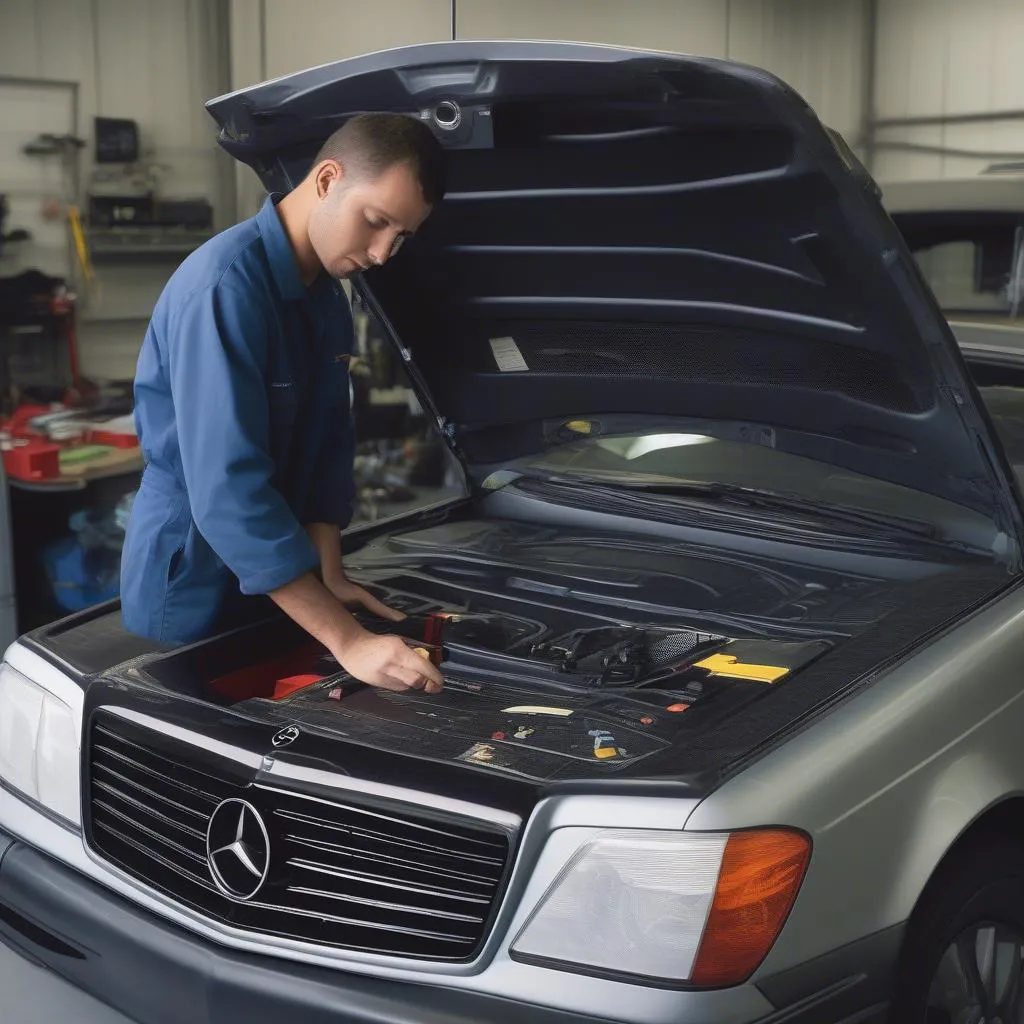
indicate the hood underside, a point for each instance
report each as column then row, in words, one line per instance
column 628, row 232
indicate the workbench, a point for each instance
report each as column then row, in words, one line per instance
column 77, row 476
column 40, row 511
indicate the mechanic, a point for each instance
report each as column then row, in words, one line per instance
column 242, row 409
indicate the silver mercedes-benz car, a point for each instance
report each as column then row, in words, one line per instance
column 730, row 614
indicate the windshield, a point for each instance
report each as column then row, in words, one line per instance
column 968, row 259
column 657, row 459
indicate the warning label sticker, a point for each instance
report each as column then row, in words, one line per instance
column 507, row 355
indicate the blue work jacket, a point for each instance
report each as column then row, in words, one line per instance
column 242, row 407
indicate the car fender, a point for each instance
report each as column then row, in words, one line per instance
column 888, row 781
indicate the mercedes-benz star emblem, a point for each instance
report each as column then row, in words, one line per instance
column 237, row 849
column 286, row 736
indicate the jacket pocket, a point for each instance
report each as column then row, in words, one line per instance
column 156, row 532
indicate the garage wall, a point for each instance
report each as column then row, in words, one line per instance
column 277, row 37
column 157, row 60
column 938, row 58
column 334, row 29
column 30, row 108
column 817, row 46
column 820, row 47
column 688, row 26
column 154, row 61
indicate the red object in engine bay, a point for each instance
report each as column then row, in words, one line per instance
column 275, row 678
column 279, row 678
column 433, row 628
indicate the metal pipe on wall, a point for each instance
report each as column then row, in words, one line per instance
column 923, row 147
column 980, row 117
column 870, row 77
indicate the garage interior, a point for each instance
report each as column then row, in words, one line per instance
column 111, row 175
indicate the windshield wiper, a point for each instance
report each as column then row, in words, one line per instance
column 748, row 497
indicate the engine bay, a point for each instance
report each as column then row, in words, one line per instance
column 568, row 654
column 564, row 655
column 521, row 695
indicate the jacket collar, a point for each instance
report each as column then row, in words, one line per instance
column 282, row 261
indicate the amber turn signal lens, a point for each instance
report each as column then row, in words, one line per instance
column 758, row 882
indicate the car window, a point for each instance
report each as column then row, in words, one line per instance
column 401, row 462
column 967, row 258
column 1006, row 408
column 952, row 272
column 1001, row 387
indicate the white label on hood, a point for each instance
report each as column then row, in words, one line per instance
column 507, row 355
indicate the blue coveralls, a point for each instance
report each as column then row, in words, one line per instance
column 243, row 412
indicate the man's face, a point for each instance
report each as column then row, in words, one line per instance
column 359, row 222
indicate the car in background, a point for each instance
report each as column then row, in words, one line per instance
column 967, row 235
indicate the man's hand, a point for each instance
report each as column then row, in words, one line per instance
column 388, row 662
column 385, row 661
column 349, row 594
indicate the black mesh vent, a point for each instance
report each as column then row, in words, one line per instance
column 669, row 649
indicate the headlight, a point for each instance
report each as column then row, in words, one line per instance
column 673, row 906
column 39, row 745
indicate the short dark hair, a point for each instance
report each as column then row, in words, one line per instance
column 372, row 143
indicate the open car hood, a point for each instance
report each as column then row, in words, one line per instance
column 644, row 233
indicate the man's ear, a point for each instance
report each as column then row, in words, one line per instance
column 329, row 172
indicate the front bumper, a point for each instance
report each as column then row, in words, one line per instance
column 157, row 973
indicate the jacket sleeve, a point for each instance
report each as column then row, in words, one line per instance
column 217, row 347
column 333, row 497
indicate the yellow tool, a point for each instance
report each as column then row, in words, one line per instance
column 79, row 238
column 728, row 665
column 580, row 426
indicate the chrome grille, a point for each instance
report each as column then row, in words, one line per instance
column 352, row 873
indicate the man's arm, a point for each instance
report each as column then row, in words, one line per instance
column 216, row 350
column 326, row 538
column 385, row 661
column 329, row 506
